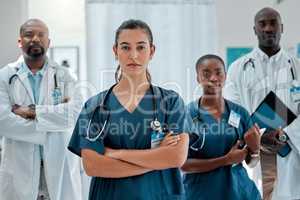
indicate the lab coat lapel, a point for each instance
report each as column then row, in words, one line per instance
column 47, row 85
column 23, row 88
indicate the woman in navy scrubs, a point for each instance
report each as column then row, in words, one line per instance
column 220, row 127
column 119, row 134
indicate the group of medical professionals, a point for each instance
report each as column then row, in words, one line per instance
column 139, row 141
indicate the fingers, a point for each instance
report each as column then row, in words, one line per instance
column 66, row 100
column 173, row 140
column 237, row 144
column 280, row 131
column 170, row 139
column 256, row 127
column 169, row 135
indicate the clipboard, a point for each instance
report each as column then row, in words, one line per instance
column 272, row 113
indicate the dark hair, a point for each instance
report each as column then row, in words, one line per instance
column 133, row 24
column 207, row 57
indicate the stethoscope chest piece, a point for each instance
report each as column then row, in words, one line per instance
column 155, row 125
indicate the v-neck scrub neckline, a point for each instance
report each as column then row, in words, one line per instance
column 146, row 95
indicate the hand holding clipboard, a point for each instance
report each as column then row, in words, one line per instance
column 273, row 115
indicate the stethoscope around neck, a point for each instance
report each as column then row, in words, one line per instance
column 15, row 76
column 103, row 108
column 199, row 119
column 294, row 78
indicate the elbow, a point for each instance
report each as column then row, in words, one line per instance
column 185, row 167
column 188, row 166
column 179, row 161
column 89, row 168
column 89, row 162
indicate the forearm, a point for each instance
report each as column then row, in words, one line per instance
column 98, row 165
column 58, row 117
column 17, row 128
column 158, row 158
column 203, row 165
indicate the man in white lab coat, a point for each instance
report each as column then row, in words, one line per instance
column 37, row 114
column 269, row 68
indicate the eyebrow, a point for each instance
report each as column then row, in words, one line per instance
column 264, row 19
column 126, row 43
column 217, row 69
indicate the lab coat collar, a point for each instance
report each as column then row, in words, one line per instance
column 40, row 72
column 258, row 53
column 23, row 68
column 23, row 75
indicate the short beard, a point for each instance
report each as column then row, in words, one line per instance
column 35, row 56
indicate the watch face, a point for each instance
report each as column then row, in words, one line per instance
column 282, row 138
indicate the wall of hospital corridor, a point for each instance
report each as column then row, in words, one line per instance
column 12, row 14
column 66, row 19
column 66, row 22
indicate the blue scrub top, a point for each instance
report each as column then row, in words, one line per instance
column 127, row 130
column 228, row 182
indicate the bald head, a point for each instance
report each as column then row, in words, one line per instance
column 266, row 11
column 33, row 22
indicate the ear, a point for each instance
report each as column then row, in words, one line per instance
column 115, row 51
column 152, row 51
column 198, row 79
column 49, row 41
column 19, row 43
column 254, row 29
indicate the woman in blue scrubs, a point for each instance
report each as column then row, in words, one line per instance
column 119, row 133
column 214, row 167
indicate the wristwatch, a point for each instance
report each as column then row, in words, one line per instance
column 282, row 137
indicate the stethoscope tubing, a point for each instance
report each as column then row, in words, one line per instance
column 103, row 106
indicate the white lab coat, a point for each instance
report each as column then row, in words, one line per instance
column 247, row 86
column 20, row 165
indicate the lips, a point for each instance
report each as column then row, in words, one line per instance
column 133, row 65
column 35, row 51
column 268, row 37
column 35, row 48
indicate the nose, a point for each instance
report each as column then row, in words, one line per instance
column 213, row 78
column 133, row 54
column 36, row 38
column 269, row 28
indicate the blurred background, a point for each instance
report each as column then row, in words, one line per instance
column 82, row 34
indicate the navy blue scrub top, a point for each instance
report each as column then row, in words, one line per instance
column 228, row 182
column 127, row 130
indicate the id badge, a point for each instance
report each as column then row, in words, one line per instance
column 56, row 96
column 295, row 93
column 156, row 138
column 234, row 119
